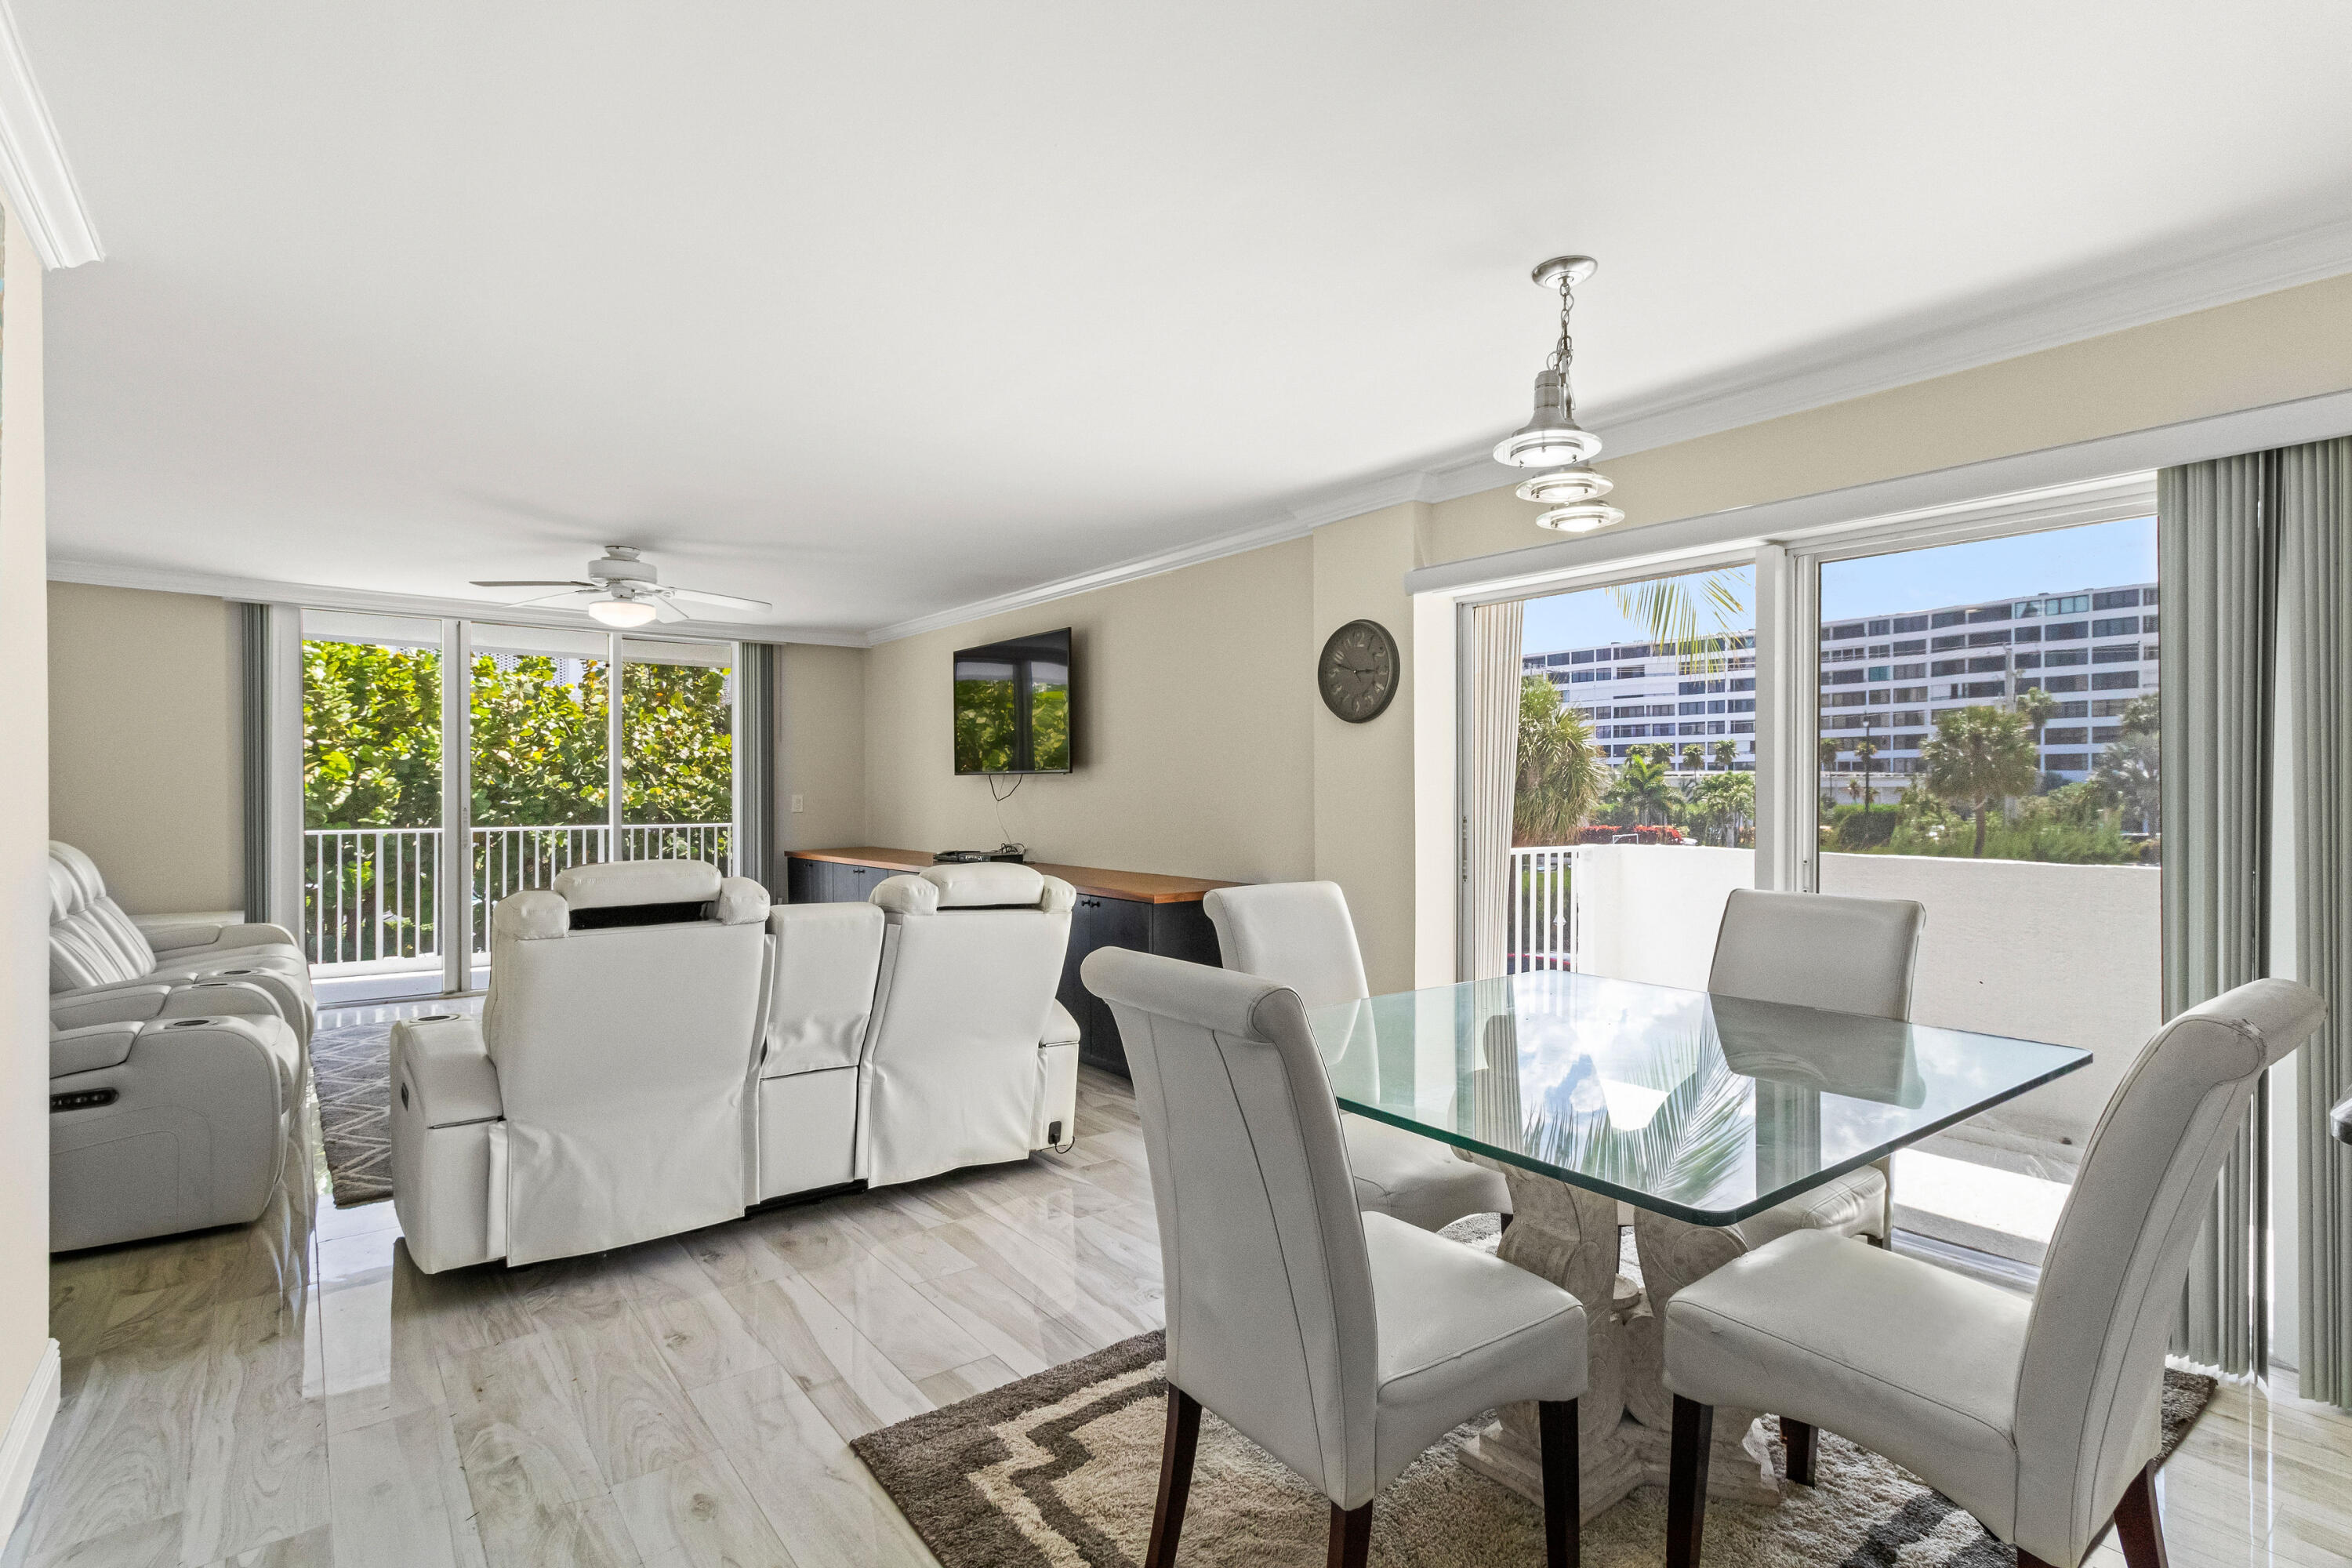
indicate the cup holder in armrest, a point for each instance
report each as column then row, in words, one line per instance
column 194, row 1022
column 433, row 1017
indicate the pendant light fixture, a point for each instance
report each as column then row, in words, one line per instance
column 1572, row 493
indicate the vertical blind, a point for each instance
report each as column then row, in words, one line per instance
column 1494, row 761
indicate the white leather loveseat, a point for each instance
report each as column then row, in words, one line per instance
column 106, row 966
column 600, row 1099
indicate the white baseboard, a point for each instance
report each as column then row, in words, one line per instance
column 28, row 1429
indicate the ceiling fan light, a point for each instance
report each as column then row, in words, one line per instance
column 1580, row 516
column 621, row 612
column 1564, row 485
column 1551, row 436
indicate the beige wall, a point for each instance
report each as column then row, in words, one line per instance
column 1363, row 772
column 23, row 840
column 1194, row 716
column 1261, row 782
column 145, row 715
column 821, row 736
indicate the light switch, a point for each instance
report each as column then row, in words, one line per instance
column 799, row 803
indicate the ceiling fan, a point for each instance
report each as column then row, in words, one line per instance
column 625, row 590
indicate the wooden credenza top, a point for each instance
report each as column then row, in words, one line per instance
column 1140, row 887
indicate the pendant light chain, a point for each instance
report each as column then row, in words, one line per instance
column 1563, row 356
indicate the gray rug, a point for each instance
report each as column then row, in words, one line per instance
column 351, row 1065
column 1061, row 1469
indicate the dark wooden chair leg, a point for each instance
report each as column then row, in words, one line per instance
column 1686, row 1481
column 2139, row 1528
column 1175, row 1478
column 1352, row 1536
column 1564, row 1527
column 1797, row 1438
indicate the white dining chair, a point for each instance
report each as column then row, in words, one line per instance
column 1299, row 934
column 2041, row 1417
column 1342, row 1343
column 1840, row 955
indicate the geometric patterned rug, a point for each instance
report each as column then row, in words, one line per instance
column 1062, row 1468
column 351, row 1064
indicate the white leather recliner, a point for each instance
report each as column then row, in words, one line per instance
column 106, row 966
column 173, row 1123
column 969, row 1059
column 602, row 1097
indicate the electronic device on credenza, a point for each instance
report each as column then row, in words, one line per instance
column 1016, row 853
column 1013, row 707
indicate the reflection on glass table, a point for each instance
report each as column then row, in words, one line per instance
column 1708, row 1108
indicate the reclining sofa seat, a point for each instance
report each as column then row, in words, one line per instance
column 168, row 1124
column 600, row 1101
column 969, row 1058
column 107, row 966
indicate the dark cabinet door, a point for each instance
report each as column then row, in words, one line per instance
column 1111, row 923
column 803, row 881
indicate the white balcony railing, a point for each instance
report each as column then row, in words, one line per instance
column 1539, row 921
column 371, row 895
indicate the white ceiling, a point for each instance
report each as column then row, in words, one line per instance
column 875, row 312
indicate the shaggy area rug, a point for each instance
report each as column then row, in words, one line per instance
column 1061, row 1469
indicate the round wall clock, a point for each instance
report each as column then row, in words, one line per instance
column 1358, row 671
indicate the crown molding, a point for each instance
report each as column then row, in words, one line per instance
column 33, row 167
column 317, row 596
column 1856, row 366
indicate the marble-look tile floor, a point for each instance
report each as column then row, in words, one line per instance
column 296, row 1392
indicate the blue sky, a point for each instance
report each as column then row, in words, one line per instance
column 2059, row 560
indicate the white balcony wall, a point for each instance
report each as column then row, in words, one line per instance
column 2065, row 954
column 1649, row 912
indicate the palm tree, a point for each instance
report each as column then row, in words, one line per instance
column 1725, row 755
column 1669, row 607
column 1977, row 757
column 1829, row 753
column 1560, row 780
column 1694, row 757
column 1864, row 750
column 1641, row 785
column 2036, row 707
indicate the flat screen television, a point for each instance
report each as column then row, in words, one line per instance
column 1012, row 706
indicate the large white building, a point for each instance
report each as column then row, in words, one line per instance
column 1885, row 677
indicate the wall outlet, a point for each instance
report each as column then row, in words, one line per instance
column 800, row 803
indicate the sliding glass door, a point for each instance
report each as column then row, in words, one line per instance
column 1987, row 745
column 1633, row 810
column 422, row 808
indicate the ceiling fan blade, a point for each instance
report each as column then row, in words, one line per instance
column 726, row 601
column 567, row 593
column 533, row 582
column 667, row 611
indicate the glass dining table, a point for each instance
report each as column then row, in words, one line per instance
column 1703, row 1115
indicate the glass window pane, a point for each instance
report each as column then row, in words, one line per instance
column 678, row 756
column 540, row 781
column 2014, row 795
column 1635, row 810
column 371, row 804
